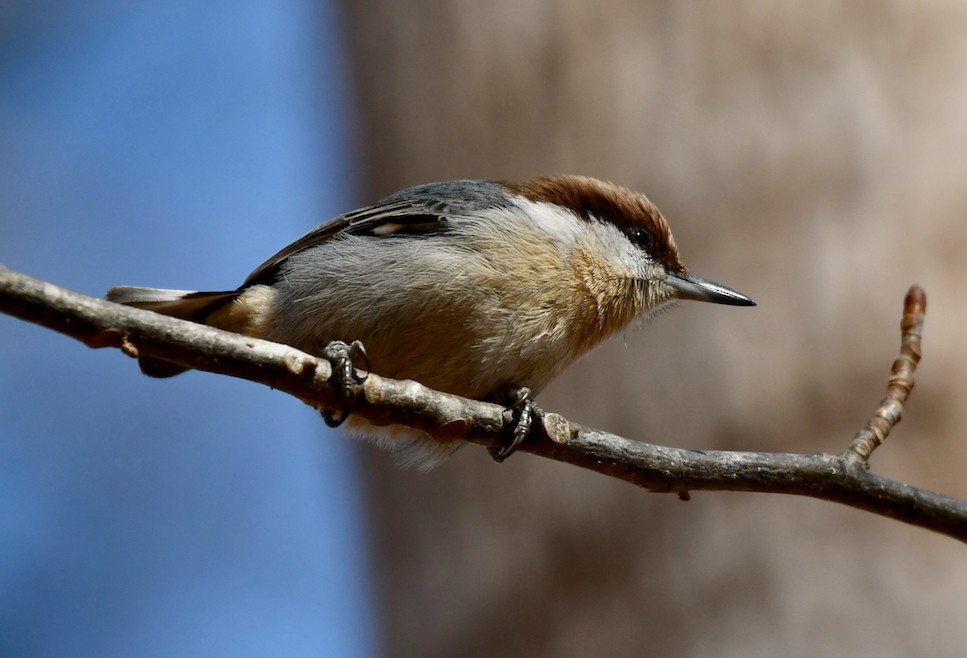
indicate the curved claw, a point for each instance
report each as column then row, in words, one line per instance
column 331, row 419
column 344, row 377
column 522, row 425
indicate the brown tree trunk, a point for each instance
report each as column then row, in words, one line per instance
column 814, row 156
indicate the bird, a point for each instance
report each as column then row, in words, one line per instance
column 479, row 288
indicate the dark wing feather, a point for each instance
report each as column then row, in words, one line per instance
column 395, row 217
column 420, row 209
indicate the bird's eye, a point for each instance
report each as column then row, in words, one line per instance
column 642, row 238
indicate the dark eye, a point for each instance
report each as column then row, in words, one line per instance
column 642, row 238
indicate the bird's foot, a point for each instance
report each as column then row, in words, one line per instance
column 344, row 377
column 521, row 402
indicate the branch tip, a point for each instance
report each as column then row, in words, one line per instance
column 915, row 302
column 901, row 381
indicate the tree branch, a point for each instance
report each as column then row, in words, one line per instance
column 844, row 479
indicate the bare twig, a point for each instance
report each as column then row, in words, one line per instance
column 874, row 433
column 844, row 479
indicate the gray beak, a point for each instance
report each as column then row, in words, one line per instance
column 689, row 286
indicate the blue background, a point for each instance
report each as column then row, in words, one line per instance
column 176, row 145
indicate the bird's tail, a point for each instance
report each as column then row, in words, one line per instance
column 200, row 307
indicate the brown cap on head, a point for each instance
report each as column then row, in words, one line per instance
column 589, row 198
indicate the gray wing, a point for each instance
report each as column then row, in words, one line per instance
column 421, row 209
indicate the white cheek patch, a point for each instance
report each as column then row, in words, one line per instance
column 566, row 231
column 619, row 251
column 603, row 238
column 559, row 224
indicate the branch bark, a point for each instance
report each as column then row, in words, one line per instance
column 844, row 479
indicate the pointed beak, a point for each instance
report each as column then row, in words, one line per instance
column 689, row 286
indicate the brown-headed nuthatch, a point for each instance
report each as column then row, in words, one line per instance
column 483, row 289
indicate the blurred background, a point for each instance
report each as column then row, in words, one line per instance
column 811, row 155
column 172, row 144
